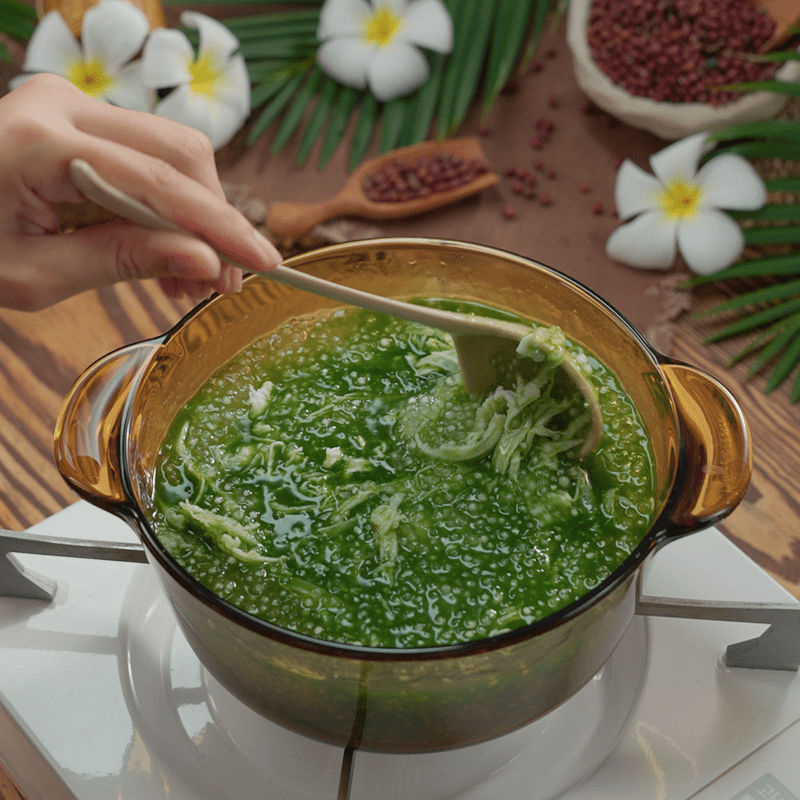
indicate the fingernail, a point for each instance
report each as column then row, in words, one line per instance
column 225, row 283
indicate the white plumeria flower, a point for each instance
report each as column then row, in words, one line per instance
column 679, row 208
column 101, row 65
column 211, row 91
column 375, row 42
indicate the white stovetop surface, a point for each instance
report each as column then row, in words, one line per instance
column 101, row 698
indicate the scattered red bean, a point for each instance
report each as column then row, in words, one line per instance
column 400, row 180
column 583, row 187
column 509, row 212
column 545, row 200
column 550, row 173
column 536, row 143
column 537, row 66
column 538, row 164
column 529, row 191
column 517, row 187
column 597, row 209
column 679, row 50
column 483, row 130
column 552, row 101
column 551, row 53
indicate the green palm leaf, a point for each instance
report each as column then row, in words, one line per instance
column 774, row 212
column 317, row 120
column 392, row 118
column 18, row 21
column 293, row 114
column 766, row 129
column 789, row 360
column 420, row 114
column 770, row 315
column 464, row 70
column 789, row 88
column 769, row 266
column 783, row 55
column 337, row 124
column 786, row 150
column 275, row 107
column 782, row 234
column 788, row 184
column 541, row 11
column 490, row 38
column 365, row 127
column 754, row 321
column 510, row 32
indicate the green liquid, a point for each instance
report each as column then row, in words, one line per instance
column 295, row 487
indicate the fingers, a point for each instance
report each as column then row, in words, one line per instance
column 184, row 201
column 46, row 269
column 62, row 110
column 185, row 149
column 169, row 167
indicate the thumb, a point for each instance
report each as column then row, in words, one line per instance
column 45, row 269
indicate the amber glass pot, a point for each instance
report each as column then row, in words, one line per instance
column 394, row 700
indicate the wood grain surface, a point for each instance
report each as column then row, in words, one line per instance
column 42, row 354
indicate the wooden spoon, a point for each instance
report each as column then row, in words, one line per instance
column 478, row 340
column 292, row 220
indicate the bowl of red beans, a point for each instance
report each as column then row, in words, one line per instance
column 665, row 65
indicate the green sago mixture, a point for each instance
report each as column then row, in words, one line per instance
column 336, row 479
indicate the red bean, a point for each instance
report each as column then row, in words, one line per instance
column 399, row 180
column 679, row 50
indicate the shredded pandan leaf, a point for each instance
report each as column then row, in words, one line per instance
column 540, row 415
column 477, row 444
column 386, row 518
column 226, row 533
column 438, row 361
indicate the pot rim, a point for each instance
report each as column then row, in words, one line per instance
column 654, row 538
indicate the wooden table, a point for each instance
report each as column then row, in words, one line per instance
column 41, row 354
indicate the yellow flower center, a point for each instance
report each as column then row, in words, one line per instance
column 90, row 77
column 205, row 74
column 382, row 26
column 680, row 198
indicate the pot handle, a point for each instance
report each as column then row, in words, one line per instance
column 717, row 456
column 88, row 430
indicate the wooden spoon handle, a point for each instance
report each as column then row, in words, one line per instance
column 292, row 220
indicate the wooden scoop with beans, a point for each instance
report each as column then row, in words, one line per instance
column 484, row 345
column 401, row 183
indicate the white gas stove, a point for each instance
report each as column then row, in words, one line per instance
column 101, row 697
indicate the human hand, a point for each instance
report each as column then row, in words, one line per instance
column 44, row 124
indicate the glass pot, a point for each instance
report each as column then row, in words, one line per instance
column 394, row 700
